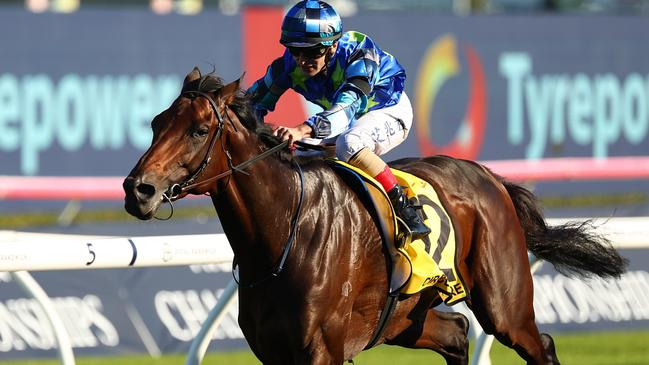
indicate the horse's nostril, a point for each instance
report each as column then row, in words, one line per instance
column 145, row 190
column 129, row 183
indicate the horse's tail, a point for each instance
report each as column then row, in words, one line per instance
column 573, row 248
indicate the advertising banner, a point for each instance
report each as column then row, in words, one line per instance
column 77, row 92
column 574, row 304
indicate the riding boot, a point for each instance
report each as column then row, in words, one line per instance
column 407, row 212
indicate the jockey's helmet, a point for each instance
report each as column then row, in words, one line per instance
column 309, row 24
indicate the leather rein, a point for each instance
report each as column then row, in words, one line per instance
column 176, row 190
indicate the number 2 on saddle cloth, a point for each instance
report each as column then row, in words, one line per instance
column 423, row 263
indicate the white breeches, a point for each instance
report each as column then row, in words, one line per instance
column 379, row 130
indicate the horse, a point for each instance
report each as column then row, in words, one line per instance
column 311, row 268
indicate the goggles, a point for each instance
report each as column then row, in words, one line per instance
column 312, row 53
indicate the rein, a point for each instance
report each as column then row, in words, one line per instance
column 238, row 168
column 176, row 189
column 287, row 246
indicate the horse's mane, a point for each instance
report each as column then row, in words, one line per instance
column 241, row 105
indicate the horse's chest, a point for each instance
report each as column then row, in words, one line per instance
column 274, row 314
column 272, row 327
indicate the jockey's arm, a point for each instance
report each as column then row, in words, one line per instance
column 266, row 91
column 350, row 100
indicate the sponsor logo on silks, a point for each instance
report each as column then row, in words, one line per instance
column 439, row 64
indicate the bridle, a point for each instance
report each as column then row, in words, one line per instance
column 174, row 191
column 190, row 183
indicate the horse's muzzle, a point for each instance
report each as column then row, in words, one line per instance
column 142, row 199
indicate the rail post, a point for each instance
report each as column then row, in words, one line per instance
column 29, row 285
column 202, row 340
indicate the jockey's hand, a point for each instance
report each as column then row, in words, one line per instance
column 293, row 134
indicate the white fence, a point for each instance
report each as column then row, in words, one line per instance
column 36, row 251
column 20, row 252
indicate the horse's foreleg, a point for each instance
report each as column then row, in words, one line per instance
column 322, row 349
column 442, row 332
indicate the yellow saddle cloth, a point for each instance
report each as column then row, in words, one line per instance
column 432, row 258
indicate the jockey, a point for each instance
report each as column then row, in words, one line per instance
column 359, row 86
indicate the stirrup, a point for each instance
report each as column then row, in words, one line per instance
column 404, row 237
column 416, row 225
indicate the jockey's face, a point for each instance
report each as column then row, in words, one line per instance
column 312, row 60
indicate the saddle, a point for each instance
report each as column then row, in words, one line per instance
column 378, row 204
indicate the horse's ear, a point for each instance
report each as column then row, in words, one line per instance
column 230, row 90
column 192, row 76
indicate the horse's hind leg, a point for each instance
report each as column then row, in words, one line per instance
column 511, row 321
column 502, row 295
column 442, row 332
column 550, row 350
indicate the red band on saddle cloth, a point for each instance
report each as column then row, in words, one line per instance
column 386, row 178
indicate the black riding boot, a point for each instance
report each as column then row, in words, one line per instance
column 407, row 212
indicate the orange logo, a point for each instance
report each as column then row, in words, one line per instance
column 441, row 63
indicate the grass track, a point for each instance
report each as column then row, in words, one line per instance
column 602, row 348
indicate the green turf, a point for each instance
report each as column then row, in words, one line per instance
column 604, row 348
column 48, row 218
column 38, row 218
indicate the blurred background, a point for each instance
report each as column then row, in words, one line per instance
column 550, row 93
column 351, row 7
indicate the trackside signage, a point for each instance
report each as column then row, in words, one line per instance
column 596, row 110
column 162, row 309
column 117, row 311
column 566, row 301
column 102, row 113
column 71, row 99
column 565, row 304
column 78, row 91
column 482, row 93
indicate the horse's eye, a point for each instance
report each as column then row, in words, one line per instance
column 201, row 132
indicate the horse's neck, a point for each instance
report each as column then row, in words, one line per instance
column 255, row 208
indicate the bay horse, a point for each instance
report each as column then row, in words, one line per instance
column 311, row 266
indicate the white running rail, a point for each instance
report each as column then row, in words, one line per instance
column 20, row 252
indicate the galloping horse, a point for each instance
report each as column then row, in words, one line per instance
column 312, row 269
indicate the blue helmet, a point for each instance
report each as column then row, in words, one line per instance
column 311, row 23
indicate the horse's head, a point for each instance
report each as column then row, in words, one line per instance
column 187, row 145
